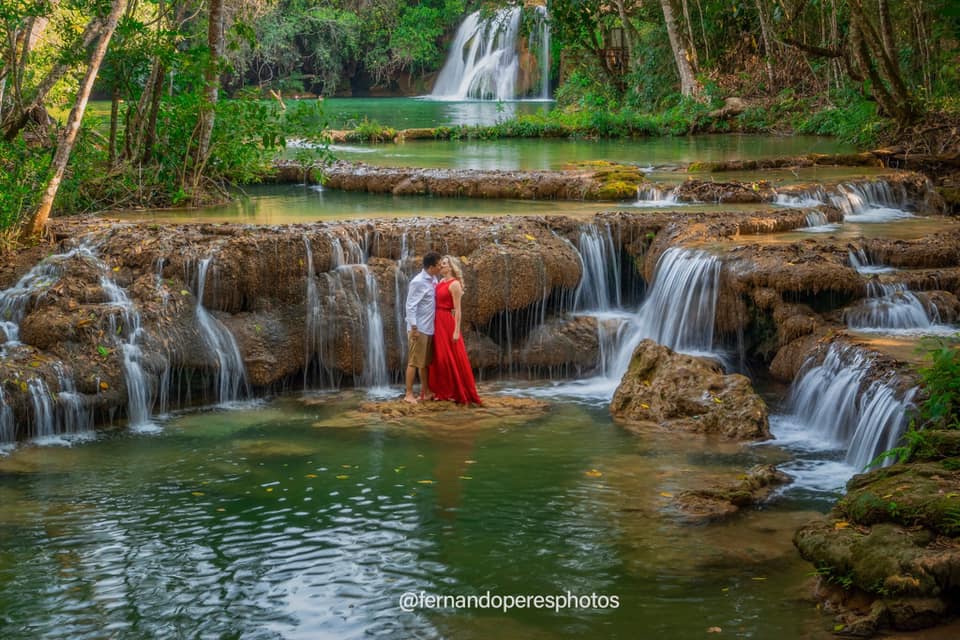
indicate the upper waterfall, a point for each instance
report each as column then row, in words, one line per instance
column 490, row 59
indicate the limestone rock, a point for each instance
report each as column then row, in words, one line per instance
column 687, row 393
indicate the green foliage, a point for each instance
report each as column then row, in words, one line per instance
column 854, row 120
column 941, row 383
column 22, row 173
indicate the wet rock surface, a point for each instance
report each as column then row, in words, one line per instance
column 687, row 393
column 715, row 503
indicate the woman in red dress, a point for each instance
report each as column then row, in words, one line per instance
column 451, row 377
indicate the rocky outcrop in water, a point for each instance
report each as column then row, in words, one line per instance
column 715, row 503
column 887, row 554
column 688, row 393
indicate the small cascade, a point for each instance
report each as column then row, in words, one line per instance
column 73, row 416
column 871, row 202
column 540, row 40
column 348, row 261
column 43, row 412
column 835, row 403
column 231, row 373
column 805, row 200
column 599, row 288
column 129, row 332
column 890, row 307
column 483, row 62
column 15, row 300
column 313, row 339
column 7, row 424
column 679, row 311
column 861, row 261
column 401, row 282
column 652, row 196
column 817, row 221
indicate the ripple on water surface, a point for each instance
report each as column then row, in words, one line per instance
column 258, row 523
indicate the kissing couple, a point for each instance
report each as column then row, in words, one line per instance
column 436, row 351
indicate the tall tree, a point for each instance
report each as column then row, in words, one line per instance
column 41, row 214
column 689, row 85
column 211, row 89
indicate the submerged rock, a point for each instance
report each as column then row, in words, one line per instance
column 688, row 393
column 718, row 502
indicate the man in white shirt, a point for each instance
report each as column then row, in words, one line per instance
column 421, row 310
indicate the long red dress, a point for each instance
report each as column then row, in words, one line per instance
column 451, row 377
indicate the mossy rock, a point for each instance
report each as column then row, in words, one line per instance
column 926, row 495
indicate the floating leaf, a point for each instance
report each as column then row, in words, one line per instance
column 197, row 493
column 666, row 494
column 342, row 477
column 221, row 509
column 424, row 481
column 466, row 477
column 714, row 630
column 470, row 462
column 310, row 475
column 759, row 579
column 593, row 473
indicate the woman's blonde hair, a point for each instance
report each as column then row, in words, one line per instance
column 455, row 268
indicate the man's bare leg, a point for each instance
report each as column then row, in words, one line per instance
column 425, row 392
column 411, row 374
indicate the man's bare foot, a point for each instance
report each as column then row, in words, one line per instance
column 409, row 398
column 428, row 398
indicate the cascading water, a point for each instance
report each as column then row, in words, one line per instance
column 817, row 222
column 860, row 260
column 484, row 61
column 313, row 345
column 833, row 405
column 231, row 373
column 43, row 411
column 599, row 288
column 891, row 307
column 871, row 202
column 15, row 300
column 649, row 197
column 7, row 424
column 129, row 333
column 804, row 200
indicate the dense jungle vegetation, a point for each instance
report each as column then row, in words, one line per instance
column 870, row 71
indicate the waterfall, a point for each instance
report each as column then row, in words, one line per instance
column 347, row 263
column 15, row 300
column 650, row 196
column 43, row 412
column 599, row 288
column 400, row 285
column 871, row 202
column 805, row 200
column 817, row 222
column 312, row 337
column 231, row 374
column 835, row 403
column 129, row 333
column 860, row 261
column 483, row 63
column 7, row 425
column 890, row 307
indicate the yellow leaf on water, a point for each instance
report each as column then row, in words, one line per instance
column 310, row 475
column 470, row 462
column 759, row 579
column 466, row 477
column 840, row 525
column 221, row 509
column 666, row 494
column 197, row 493
column 342, row 477
column 424, row 481
column 269, row 489
column 593, row 473
column 345, row 466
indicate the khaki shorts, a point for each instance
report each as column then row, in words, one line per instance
column 421, row 350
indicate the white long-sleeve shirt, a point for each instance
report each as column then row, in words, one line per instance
column 421, row 303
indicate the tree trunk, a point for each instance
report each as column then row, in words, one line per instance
column 212, row 88
column 769, row 53
column 19, row 116
column 38, row 220
column 694, row 58
column 114, row 124
column 689, row 85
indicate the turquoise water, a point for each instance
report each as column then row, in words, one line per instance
column 310, row 521
column 411, row 113
column 513, row 153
